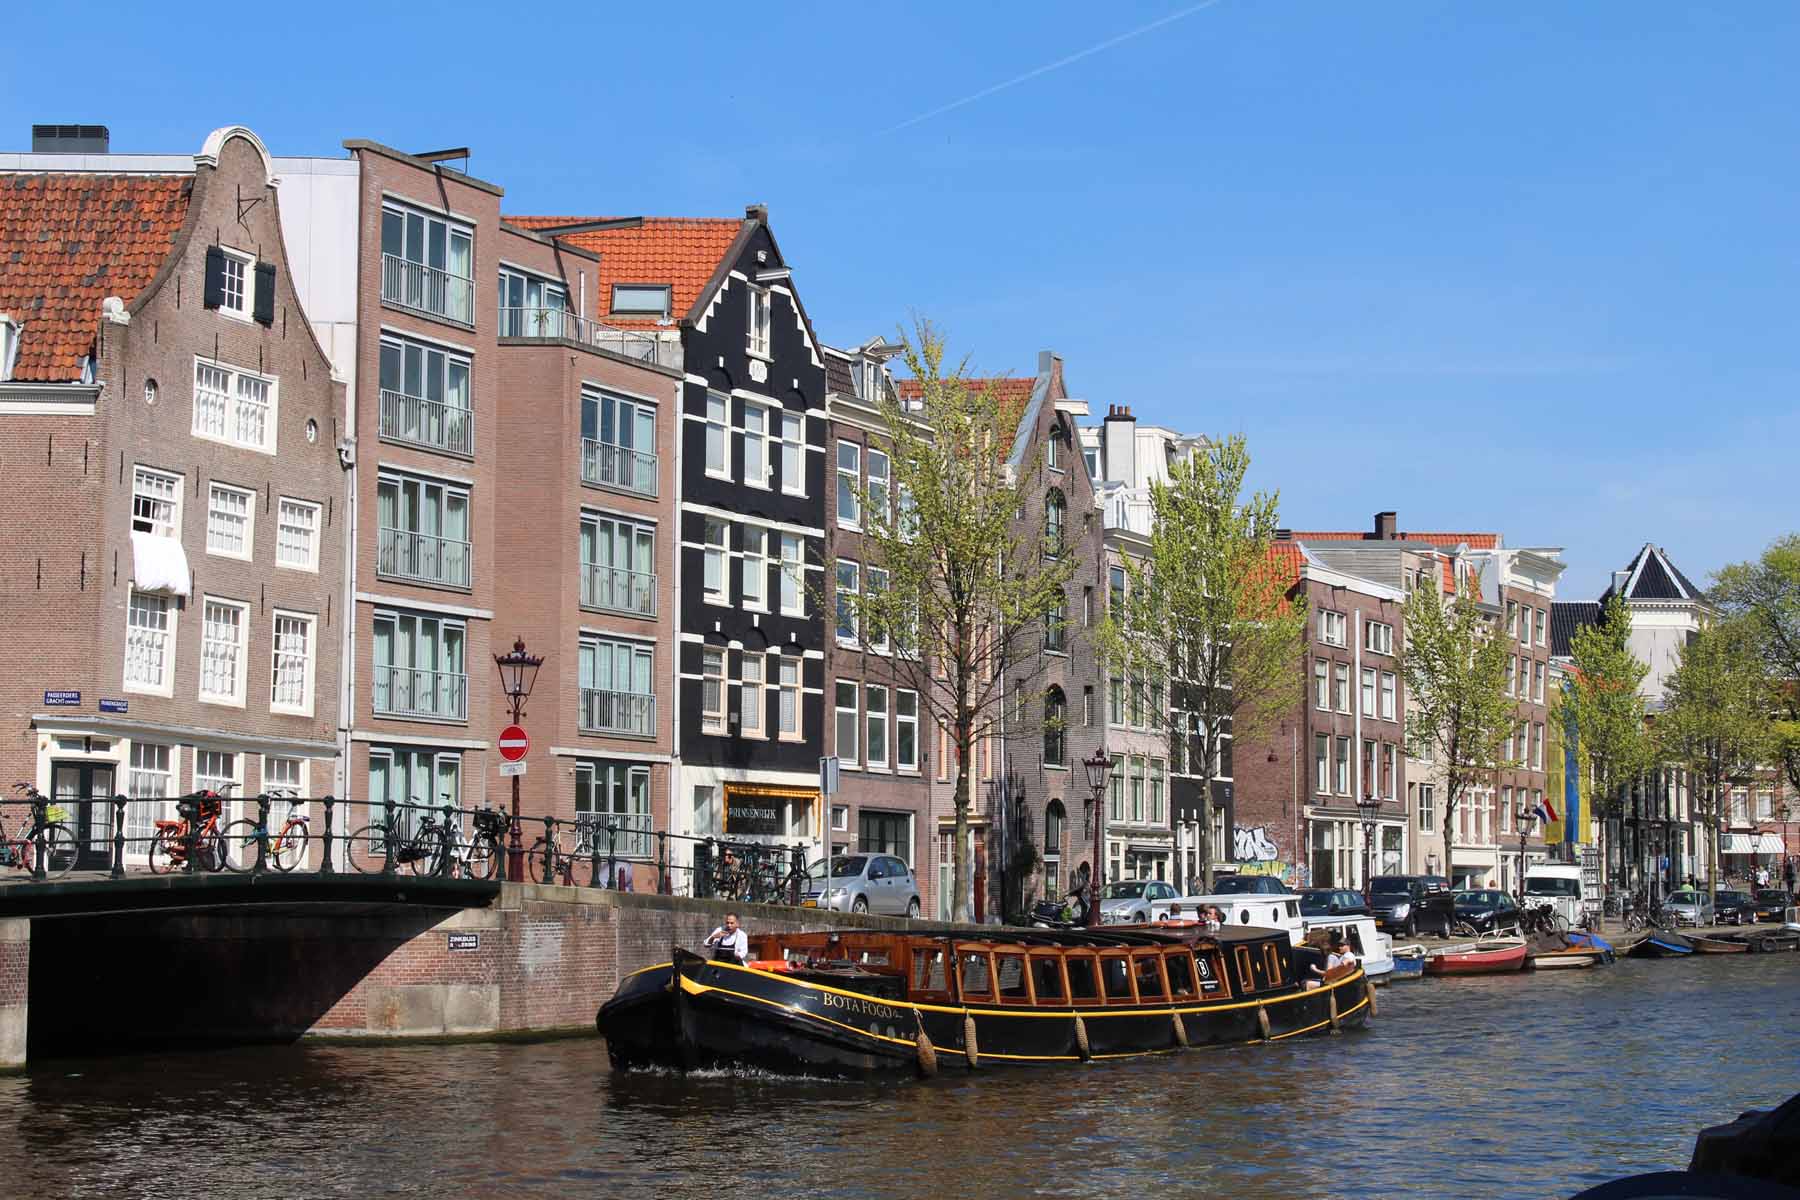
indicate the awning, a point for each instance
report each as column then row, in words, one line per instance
column 159, row 564
column 1751, row 843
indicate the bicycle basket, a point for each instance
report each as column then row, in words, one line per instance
column 55, row 813
column 490, row 820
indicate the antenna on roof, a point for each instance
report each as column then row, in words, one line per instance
column 591, row 226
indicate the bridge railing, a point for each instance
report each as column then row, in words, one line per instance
column 207, row 832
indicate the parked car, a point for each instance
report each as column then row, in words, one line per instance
column 871, row 883
column 1772, row 904
column 1128, row 901
column 1238, row 885
column 1733, row 908
column 1410, row 903
column 1488, row 910
column 1690, row 908
column 1332, row 902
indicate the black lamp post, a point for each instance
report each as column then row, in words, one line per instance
column 1369, row 807
column 518, row 671
column 1099, row 768
column 1524, row 817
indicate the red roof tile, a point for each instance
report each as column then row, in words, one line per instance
column 67, row 242
column 682, row 252
column 1012, row 392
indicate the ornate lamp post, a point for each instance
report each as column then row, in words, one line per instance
column 1368, row 808
column 1524, row 817
column 1099, row 768
column 518, row 671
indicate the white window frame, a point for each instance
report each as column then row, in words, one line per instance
column 1390, row 689
column 153, row 496
column 1378, row 637
column 755, row 560
column 756, row 473
column 850, row 754
column 874, row 581
column 904, row 720
column 313, row 534
column 233, row 398
column 790, row 691
column 712, row 675
column 715, row 556
column 246, row 301
column 1427, row 808
column 300, row 786
column 217, row 782
column 853, row 475
column 793, row 454
column 839, row 590
column 875, row 722
column 1332, row 627
column 214, row 491
column 1369, row 691
column 718, row 435
column 753, row 709
column 308, row 665
column 761, row 318
column 152, row 772
column 1340, row 686
column 171, row 621
column 1322, row 684
column 878, row 491
column 793, row 575
column 240, row 651
column 661, row 310
column 1537, row 682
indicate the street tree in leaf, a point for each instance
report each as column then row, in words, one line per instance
column 970, row 577
column 1459, row 714
column 1717, row 719
column 1207, row 612
column 1765, row 595
column 1603, row 710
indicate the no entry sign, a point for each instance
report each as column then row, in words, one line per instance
column 513, row 743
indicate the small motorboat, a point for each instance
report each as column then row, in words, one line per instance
column 1582, row 937
column 1785, row 938
column 1661, row 943
column 1723, row 944
column 1409, row 962
column 1496, row 957
column 1373, row 949
column 1567, row 958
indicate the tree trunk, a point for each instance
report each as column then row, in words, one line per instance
column 1206, row 811
column 959, row 857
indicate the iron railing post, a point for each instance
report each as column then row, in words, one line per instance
column 612, row 856
column 594, row 854
column 192, row 839
column 703, row 881
column 549, row 849
column 262, row 834
column 795, row 867
column 662, row 862
column 446, row 868
column 387, row 836
column 118, row 855
column 40, row 817
column 325, row 867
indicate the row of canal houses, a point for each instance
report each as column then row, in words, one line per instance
column 296, row 446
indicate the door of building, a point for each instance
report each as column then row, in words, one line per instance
column 84, row 790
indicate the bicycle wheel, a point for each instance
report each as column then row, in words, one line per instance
column 1463, row 929
column 212, row 852
column 364, row 848
column 287, row 850
column 59, row 850
column 483, row 859
column 430, row 849
column 536, row 866
column 161, row 861
column 241, row 838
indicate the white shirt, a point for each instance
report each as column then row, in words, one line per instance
column 737, row 942
column 1343, row 958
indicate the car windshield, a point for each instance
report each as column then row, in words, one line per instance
column 841, row 868
column 1122, row 891
column 1477, row 899
column 1390, row 886
column 1312, row 903
column 1683, row 898
column 1772, row 897
column 1237, row 884
column 1733, row 897
column 1552, row 887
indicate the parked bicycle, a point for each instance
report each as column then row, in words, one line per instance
column 20, row 850
column 1542, row 918
column 479, row 856
column 284, row 850
column 753, row 874
column 197, row 827
column 551, row 862
column 421, row 850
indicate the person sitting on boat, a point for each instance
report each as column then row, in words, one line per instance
column 1210, row 918
column 729, row 943
column 1340, row 955
column 1309, row 961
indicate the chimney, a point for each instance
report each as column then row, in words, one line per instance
column 1619, row 578
column 756, row 212
column 1384, row 526
column 70, row 139
column 1118, row 446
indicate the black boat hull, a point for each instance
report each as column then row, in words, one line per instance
column 694, row 1014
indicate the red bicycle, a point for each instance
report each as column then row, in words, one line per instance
column 169, row 850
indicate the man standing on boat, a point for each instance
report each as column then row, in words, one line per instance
column 729, row 943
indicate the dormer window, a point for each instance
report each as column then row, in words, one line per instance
column 759, row 322
column 640, row 300
column 232, row 279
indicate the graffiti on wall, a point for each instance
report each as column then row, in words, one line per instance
column 1253, row 844
column 1280, row 870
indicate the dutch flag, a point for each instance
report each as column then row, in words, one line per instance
column 1545, row 813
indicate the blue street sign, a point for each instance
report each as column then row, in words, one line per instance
column 115, row 706
column 62, row 699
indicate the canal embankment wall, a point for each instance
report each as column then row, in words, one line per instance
column 538, row 961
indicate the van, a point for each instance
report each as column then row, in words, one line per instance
column 1560, row 886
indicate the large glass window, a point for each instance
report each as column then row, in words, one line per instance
column 906, row 730
column 533, row 307
column 291, row 673
column 297, row 535
column 223, row 630
column 849, row 485
column 758, row 342
column 618, row 442
column 149, row 784
column 878, row 482
column 715, row 575
column 849, row 583
column 427, row 264
column 846, row 725
column 884, row 833
column 149, row 643
column 756, row 568
column 230, row 521
column 756, row 445
column 793, row 454
column 718, row 428
column 614, row 798
column 875, row 724
column 617, row 695
column 410, row 777
column 793, row 595
column 712, row 690
column 234, row 405
column 1056, row 732
column 155, row 502
column 751, row 706
column 418, row 668
column 425, row 396
column 423, row 531
column 790, row 697
column 618, row 559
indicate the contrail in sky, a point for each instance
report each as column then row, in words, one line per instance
column 1096, row 48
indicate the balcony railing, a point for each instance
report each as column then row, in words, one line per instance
column 618, row 466
column 635, row 837
column 428, row 423
column 641, row 345
column 413, row 692
column 426, row 289
column 618, row 590
column 617, row 712
column 422, row 558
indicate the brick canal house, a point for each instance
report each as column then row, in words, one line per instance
column 170, row 579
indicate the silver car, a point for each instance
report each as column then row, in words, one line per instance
column 865, row 883
column 1128, row 902
column 1690, row 908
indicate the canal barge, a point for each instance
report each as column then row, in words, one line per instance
column 854, row 1003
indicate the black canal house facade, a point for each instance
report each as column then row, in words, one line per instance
column 751, row 630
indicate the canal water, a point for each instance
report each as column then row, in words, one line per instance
column 1533, row 1085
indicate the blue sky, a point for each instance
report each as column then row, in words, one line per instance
column 1516, row 267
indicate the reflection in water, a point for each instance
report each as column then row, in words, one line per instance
column 1522, row 1086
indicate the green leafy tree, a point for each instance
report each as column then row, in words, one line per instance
column 1765, row 595
column 1606, row 710
column 1459, row 714
column 1716, row 722
column 970, row 577
column 1207, row 612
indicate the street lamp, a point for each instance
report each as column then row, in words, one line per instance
column 518, row 671
column 1369, row 807
column 1099, row 769
column 1524, row 817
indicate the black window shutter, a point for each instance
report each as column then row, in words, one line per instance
column 215, row 277
column 265, row 293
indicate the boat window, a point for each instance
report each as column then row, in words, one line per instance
column 1009, row 972
column 977, row 975
column 1354, row 937
column 1181, row 974
column 1149, row 976
column 1116, row 973
column 928, row 971
column 1046, row 979
column 1272, row 960
column 1081, row 978
column 1246, row 967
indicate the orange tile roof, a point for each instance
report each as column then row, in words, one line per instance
column 67, row 242
column 682, row 252
column 1476, row 541
column 1012, row 392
